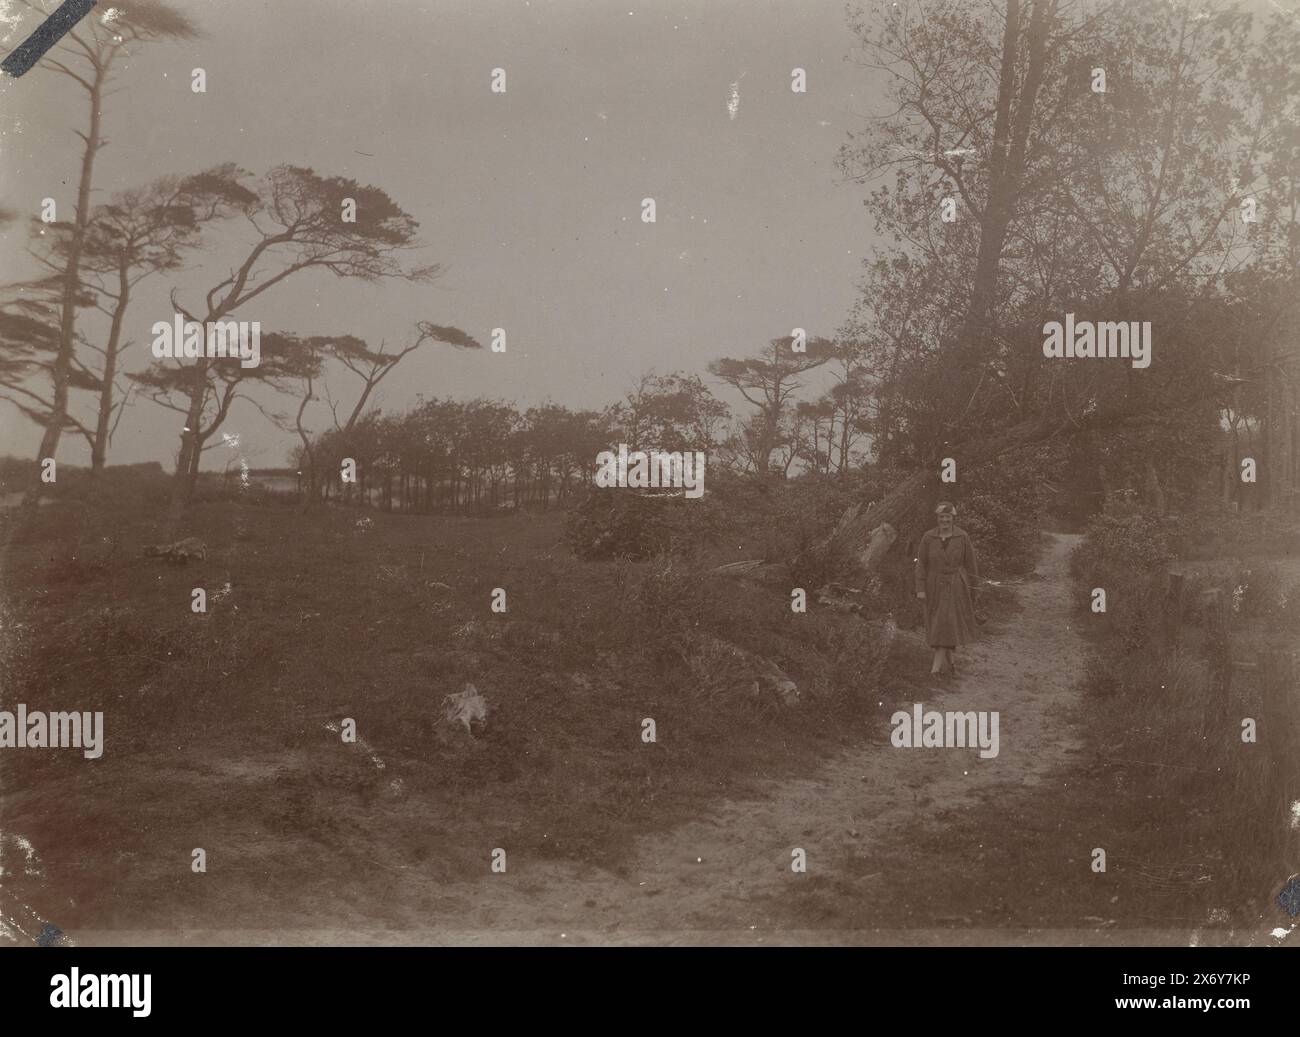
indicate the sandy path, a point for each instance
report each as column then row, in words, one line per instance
column 704, row 880
column 727, row 877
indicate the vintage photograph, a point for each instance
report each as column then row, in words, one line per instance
column 713, row 473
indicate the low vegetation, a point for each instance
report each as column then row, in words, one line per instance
column 378, row 616
column 1192, row 667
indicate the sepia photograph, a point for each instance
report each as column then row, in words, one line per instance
column 683, row 473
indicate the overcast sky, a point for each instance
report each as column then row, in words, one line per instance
column 531, row 199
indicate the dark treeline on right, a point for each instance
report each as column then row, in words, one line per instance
column 1132, row 162
column 1169, row 197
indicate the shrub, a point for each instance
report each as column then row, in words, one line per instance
column 1217, row 532
column 611, row 523
column 1000, row 506
column 1123, row 541
column 1005, row 539
column 657, row 605
column 857, row 655
column 142, row 483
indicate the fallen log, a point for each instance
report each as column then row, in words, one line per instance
column 898, row 509
column 864, row 534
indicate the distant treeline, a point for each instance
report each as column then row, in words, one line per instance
column 455, row 455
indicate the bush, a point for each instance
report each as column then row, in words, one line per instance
column 146, row 482
column 1217, row 532
column 1125, row 551
column 1000, row 506
column 617, row 523
column 657, row 605
column 1005, row 540
column 1123, row 541
column 777, row 519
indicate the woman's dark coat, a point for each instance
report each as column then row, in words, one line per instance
column 947, row 570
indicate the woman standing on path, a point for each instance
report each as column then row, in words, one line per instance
column 945, row 570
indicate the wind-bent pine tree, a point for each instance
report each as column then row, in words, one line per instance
column 87, row 55
column 297, row 216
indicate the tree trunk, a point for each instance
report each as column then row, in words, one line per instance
column 188, row 457
column 843, row 551
column 62, row 368
column 309, row 500
column 882, row 539
column 1012, row 127
column 99, row 452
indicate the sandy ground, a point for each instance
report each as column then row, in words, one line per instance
column 902, row 846
column 726, row 877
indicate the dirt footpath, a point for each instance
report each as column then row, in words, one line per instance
column 724, row 877
column 727, row 877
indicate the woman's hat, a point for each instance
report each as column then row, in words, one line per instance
column 945, row 508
